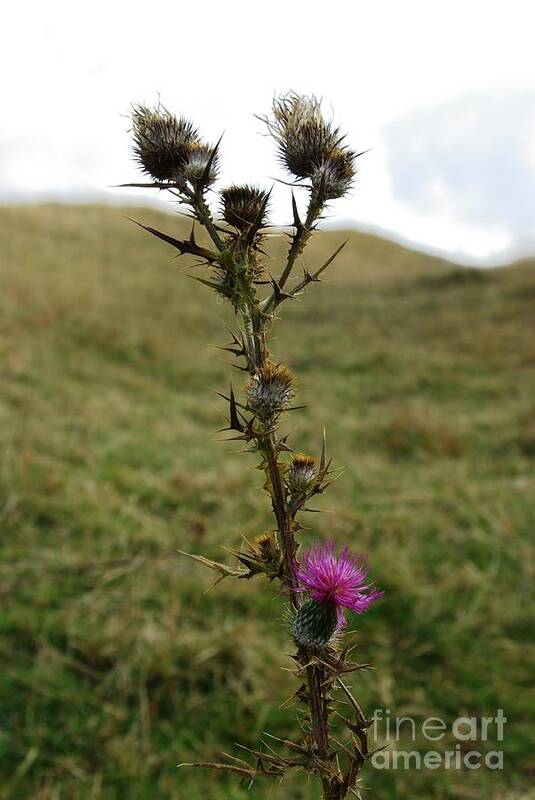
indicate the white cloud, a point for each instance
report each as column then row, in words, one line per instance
column 471, row 155
column 469, row 161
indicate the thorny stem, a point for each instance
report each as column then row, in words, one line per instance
column 317, row 706
column 205, row 218
column 299, row 242
column 319, row 717
column 284, row 523
column 255, row 323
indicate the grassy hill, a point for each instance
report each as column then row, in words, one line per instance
column 115, row 667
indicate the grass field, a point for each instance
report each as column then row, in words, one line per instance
column 115, row 665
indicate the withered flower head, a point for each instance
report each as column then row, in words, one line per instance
column 333, row 177
column 267, row 546
column 243, row 205
column 200, row 157
column 269, row 391
column 261, row 556
column 300, row 476
column 305, row 139
column 162, row 143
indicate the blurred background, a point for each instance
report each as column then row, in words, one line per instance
column 418, row 353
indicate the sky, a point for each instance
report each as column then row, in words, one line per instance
column 442, row 94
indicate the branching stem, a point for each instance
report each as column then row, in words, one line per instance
column 205, row 218
column 300, row 240
column 303, row 232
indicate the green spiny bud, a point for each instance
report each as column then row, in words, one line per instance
column 314, row 624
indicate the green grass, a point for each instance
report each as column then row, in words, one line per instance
column 115, row 664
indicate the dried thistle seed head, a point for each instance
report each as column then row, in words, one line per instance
column 269, row 391
column 243, row 205
column 304, row 138
column 200, row 156
column 262, row 556
column 267, row 547
column 162, row 143
column 333, row 177
column 300, row 476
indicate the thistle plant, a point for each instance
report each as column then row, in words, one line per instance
column 317, row 584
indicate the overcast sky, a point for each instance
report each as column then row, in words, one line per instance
column 442, row 92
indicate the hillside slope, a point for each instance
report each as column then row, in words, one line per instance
column 116, row 665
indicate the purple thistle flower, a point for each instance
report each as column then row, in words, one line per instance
column 338, row 580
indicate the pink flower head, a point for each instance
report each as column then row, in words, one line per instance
column 337, row 579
